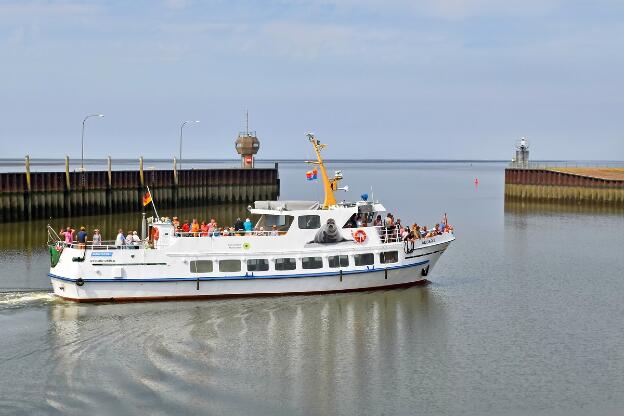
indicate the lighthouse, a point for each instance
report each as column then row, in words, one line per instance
column 522, row 153
column 247, row 145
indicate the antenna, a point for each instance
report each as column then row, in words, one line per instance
column 247, row 117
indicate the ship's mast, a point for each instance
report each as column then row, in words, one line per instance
column 328, row 185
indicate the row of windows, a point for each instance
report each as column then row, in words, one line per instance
column 262, row 265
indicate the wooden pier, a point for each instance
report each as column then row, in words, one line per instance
column 37, row 195
column 567, row 185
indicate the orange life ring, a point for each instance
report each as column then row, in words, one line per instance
column 359, row 236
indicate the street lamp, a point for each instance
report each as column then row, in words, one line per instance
column 181, row 129
column 82, row 146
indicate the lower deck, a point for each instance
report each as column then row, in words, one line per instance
column 183, row 288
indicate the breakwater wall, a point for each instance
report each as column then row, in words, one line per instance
column 558, row 186
column 38, row 195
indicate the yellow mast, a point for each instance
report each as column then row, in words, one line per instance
column 330, row 185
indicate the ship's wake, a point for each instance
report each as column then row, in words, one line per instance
column 20, row 299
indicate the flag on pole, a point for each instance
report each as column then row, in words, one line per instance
column 312, row 175
column 147, row 198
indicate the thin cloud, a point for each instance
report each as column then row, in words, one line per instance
column 177, row 4
column 443, row 9
column 32, row 9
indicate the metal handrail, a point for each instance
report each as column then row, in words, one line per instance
column 387, row 234
column 230, row 233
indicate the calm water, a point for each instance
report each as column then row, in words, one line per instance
column 524, row 315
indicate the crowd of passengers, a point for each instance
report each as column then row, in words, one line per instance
column 69, row 235
column 196, row 229
column 389, row 229
column 392, row 230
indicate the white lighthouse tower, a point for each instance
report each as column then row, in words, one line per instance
column 522, row 153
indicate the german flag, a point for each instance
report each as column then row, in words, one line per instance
column 147, row 198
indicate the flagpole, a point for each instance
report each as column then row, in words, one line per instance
column 153, row 204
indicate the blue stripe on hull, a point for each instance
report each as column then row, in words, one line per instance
column 249, row 277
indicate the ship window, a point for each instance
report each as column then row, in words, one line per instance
column 285, row 264
column 257, row 265
column 229, row 265
column 338, row 261
column 389, row 257
column 201, row 266
column 309, row 222
column 312, row 262
column 364, row 259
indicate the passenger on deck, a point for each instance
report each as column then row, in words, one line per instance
column 409, row 234
column 436, row 230
column 416, row 231
column 212, row 225
column 225, row 232
column 377, row 222
column 186, row 227
column 128, row 241
column 195, row 228
column 423, row 231
column 136, row 240
column 358, row 221
column 274, row 231
column 239, row 225
column 389, row 229
column 405, row 232
column 120, row 240
column 68, row 235
column 176, row 223
column 97, row 237
column 204, row 229
column 82, row 237
column 248, row 225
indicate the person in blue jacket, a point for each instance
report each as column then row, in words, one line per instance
column 248, row 225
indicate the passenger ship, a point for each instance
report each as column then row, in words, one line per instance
column 312, row 251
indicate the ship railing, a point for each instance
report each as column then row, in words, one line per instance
column 231, row 233
column 389, row 234
column 104, row 245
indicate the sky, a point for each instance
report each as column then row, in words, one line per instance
column 427, row 79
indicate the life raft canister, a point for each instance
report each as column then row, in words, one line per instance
column 359, row 236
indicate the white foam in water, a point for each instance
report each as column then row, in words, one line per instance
column 16, row 299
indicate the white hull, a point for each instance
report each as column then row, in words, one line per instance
column 158, row 274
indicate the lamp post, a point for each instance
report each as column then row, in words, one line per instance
column 82, row 142
column 181, row 130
